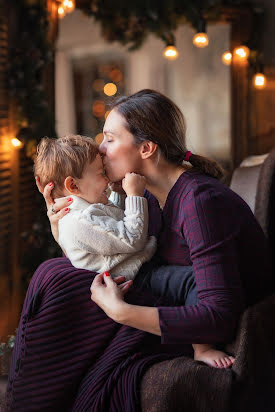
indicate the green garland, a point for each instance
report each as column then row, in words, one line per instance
column 129, row 22
column 29, row 56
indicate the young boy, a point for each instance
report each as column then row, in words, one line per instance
column 97, row 234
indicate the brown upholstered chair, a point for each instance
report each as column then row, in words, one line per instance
column 184, row 385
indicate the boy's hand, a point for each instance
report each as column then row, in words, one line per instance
column 134, row 184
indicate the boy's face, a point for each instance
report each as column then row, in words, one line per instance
column 93, row 184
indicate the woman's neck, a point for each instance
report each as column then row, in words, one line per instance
column 161, row 179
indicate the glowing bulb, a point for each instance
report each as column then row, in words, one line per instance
column 107, row 114
column 241, row 53
column 98, row 108
column 200, row 40
column 259, row 81
column 170, row 52
column 227, row 58
column 110, row 89
column 99, row 137
column 16, row 142
column 69, row 5
column 61, row 11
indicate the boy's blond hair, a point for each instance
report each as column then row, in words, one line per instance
column 58, row 158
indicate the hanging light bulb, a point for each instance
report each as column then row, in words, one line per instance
column 201, row 39
column 170, row 52
column 259, row 80
column 241, row 53
column 16, row 142
column 69, row 5
column 227, row 58
column 61, row 11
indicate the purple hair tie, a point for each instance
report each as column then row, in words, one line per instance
column 187, row 156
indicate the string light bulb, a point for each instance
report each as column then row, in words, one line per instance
column 16, row 142
column 65, row 6
column 201, row 39
column 241, row 53
column 227, row 58
column 61, row 11
column 69, row 5
column 259, row 81
column 170, row 52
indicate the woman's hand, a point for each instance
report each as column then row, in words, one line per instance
column 55, row 209
column 116, row 187
column 109, row 296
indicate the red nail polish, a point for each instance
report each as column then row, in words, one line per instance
column 106, row 273
column 36, row 178
column 50, row 184
column 66, row 210
column 69, row 199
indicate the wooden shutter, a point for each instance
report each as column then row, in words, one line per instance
column 5, row 158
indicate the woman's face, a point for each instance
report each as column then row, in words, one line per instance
column 120, row 153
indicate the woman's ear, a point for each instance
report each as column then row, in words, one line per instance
column 147, row 149
column 71, row 186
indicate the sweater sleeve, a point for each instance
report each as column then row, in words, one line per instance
column 117, row 199
column 105, row 235
column 210, row 228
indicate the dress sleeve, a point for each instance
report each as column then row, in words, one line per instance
column 103, row 234
column 210, row 227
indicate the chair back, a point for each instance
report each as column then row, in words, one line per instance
column 255, row 183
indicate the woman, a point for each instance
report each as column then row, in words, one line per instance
column 69, row 355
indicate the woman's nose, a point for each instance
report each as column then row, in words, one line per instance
column 102, row 148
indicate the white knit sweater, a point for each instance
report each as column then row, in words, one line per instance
column 101, row 237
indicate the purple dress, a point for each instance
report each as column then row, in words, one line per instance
column 69, row 356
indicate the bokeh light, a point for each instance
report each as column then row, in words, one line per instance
column 98, row 108
column 99, row 137
column 110, row 89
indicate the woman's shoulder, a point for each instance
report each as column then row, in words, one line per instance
column 198, row 190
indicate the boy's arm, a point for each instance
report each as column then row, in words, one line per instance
column 102, row 234
column 118, row 199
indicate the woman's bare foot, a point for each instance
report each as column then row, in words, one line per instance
column 212, row 356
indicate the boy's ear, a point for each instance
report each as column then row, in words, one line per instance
column 70, row 184
column 147, row 149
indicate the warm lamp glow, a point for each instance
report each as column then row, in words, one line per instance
column 110, row 89
column 200, row 40
column 16, row 142
column 170, row 53
column 241, row 53
column 259, row 81
column 227, row 58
